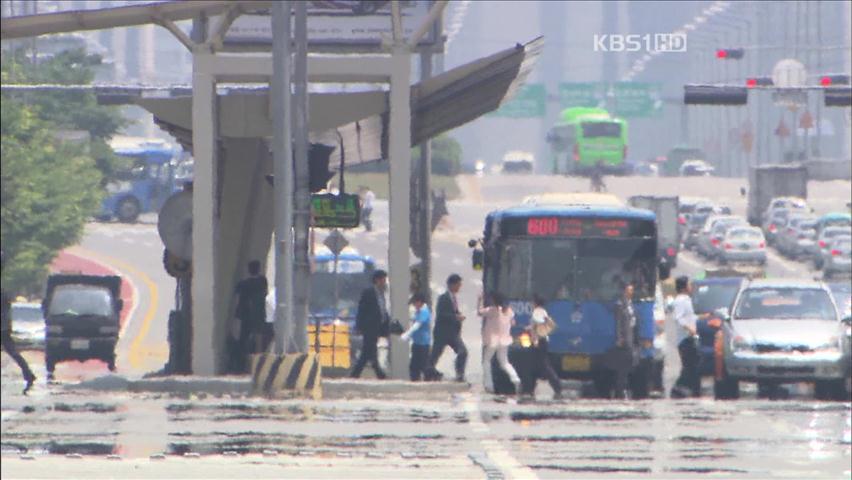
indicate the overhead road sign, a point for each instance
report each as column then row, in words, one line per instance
column 714, row 95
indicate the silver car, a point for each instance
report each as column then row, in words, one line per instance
column 28, row 325
column 798, row 237
column 783, row 331
column 824, row 241
column 743, row 244
column 838, row 260
column 710, row 238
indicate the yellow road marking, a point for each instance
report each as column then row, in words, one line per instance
column 136, row 354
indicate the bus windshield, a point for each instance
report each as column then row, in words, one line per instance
column 575, row 269
column 601, row 129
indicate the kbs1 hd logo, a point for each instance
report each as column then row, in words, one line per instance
column 657, row 42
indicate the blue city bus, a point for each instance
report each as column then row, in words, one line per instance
column 145, row 185
column 576, row 257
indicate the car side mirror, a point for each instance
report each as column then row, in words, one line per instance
column 723, row 313
column 847, row 321
column 471, row 243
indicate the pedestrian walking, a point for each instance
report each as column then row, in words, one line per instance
column 448, row 325
column 372, row 321
column 498, row 319
column 689, row 380
column 621, row 358
column 7, row 341
column 420, row 334
column 367, row 198
column 541, row 326
column 251, row 314
column 596, row 177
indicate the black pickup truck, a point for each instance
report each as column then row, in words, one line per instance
column 82, row 316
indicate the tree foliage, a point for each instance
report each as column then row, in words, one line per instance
column 49, row 187
column 446, row 155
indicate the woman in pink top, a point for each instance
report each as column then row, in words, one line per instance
column 496, row 338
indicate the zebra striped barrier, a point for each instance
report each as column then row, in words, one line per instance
column 295, row 372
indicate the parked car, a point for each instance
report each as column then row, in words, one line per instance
column 824, row 241
column 743, row 244
column 696, row 168
column 783, row 331
column 27, row 325
column 838, row 261
column 842, row 293
column 798, row 237
column 708, row 296
column 710, row 238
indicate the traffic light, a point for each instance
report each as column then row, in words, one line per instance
column 838, row 97
column 318, row 158
column 730, row 53
column 714, row 95
column 759, row 82
column 834, row 79
column 318, row 174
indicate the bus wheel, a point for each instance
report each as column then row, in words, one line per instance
column 128, row 210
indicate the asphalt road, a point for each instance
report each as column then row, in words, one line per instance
column 468, row 436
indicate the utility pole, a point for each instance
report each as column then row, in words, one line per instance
column 818, row 137
column 282, row 154
column 423, row 190
column 302, row 218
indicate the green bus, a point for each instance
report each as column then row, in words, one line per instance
column 585, row 137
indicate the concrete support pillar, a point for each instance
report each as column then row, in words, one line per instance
column 400, row 173
column 204, row 218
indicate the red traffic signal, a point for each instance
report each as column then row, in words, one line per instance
column 730, row 53
column 834, row 79
column 759, row 82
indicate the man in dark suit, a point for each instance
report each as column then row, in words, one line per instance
column 372, row 321
column 448, row 322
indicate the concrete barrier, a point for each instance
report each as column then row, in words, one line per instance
column 829, row 169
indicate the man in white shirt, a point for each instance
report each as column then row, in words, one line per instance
column 689, row 380
column 367, row 198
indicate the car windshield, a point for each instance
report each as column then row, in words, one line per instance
column 785, row 303
column 709, row 297
column 26, row 313
column 571, row 269
column 81, row 300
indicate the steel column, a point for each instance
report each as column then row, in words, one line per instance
column 283, row 170
column 204, row 218
column 400, row 175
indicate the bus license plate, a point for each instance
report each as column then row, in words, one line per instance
column 79, row 344
column 576, row 363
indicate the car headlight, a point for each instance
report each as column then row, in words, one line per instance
column 740, row 344
column 118, row 187
column 57, row 329
column 108, row 329
column 832, row 345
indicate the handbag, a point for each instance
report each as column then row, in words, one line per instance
column 394, row 327
column 543, row 330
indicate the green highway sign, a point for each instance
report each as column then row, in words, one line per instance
column 527, row 103
column 582, row 94
column 636, row 99
column 335, row 211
